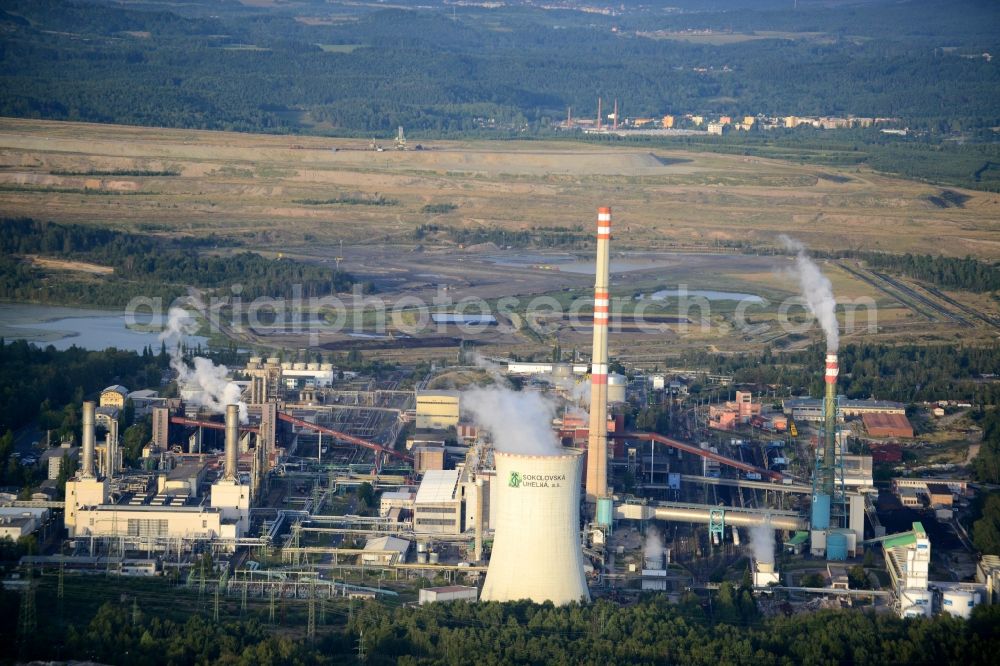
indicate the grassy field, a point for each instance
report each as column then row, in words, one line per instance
column 247, row 186
column 679, row 212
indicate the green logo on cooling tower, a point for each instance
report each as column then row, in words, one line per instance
column 515, row 480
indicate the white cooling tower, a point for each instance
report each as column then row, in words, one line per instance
column 536, row 548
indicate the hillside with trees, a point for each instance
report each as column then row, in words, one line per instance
column 514, row 72
column 144, row 266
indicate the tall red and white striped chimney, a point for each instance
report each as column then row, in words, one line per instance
column 597, row 443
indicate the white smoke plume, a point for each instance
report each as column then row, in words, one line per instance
column 762, row 543
column 215, row 390
column 577, row 390
column 817, row 291
column 494, row 370
column 520, row 422
column 652, row 551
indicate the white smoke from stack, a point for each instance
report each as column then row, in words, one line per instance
column 494, row 370
column 762, row 543
column 817, row 291
column 215, row 390
column 519, row 422
column 652, row 551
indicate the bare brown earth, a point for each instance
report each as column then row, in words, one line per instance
column 65, row 265
column 247, row 184
column 676, row 211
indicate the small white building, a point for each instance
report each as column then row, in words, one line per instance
column 385, row 550
column 397, row 499
column 17, row 522
column 430, row 595
column 144, row 400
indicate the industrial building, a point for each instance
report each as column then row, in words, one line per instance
column 430, row 595
column 398, row 499
column 735, row 412
column 114, row 396
column 174, row 516
column 437, row 507
column 437, row 409
column 907, row 557
column 887, row 425
column 811, row 409
column 52, row 459
column 385, row 550
column 17, row 522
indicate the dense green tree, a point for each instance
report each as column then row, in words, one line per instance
column 986, row 530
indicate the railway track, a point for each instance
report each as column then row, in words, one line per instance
column 989, row 321
column 920, row 298
column 923, row 305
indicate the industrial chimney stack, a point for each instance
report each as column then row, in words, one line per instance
column 830, row 422
column 87, row 467
column 597, row 444
column 232, row 442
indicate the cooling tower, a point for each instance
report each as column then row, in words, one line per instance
column 536, row 548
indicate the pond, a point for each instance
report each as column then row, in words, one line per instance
column 64, row 327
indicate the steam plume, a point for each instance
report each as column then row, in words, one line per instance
column 216, row 390
column 817, row 291
column 653, row 549
column 519, row 422
column 762, row 543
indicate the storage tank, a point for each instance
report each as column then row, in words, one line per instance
column 915, row 603
column 422, row 557
column 616, row 387
column 561, row 370
column 959, row 602
column 434, row 558
column 536, row 548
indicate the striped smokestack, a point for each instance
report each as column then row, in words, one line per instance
column 232, row 442
column 830, row 422
column 597, row 444
column 87, row 440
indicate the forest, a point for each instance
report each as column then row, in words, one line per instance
column 540, row 237
column 949, row 272
column 39, row 383
column 510, row 71
column 905, row 373
column 144, row 266
column 728, row 631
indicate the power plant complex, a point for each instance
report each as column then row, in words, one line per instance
column 462, row 489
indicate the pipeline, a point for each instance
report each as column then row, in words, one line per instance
column 704, row 453
column 211, row 425
column 350, row 439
